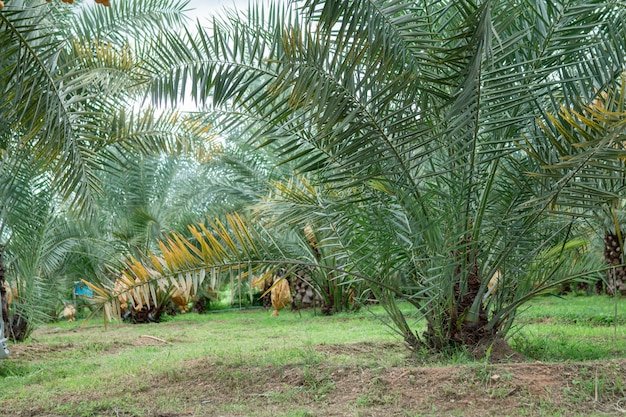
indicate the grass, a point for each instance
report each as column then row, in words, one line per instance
column 580, row 310
column 235, row 363
column 572, row 329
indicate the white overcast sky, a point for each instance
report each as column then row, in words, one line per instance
column 206, row 8
column 203, row 10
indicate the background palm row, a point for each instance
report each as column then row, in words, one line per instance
column 431, row 146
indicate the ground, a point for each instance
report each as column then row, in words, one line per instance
column 205, row 387
column 302, row 364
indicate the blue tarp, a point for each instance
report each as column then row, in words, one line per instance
column 83, row 290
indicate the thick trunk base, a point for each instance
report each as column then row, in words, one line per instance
column 496, row 351
column 613, row 254
column 145, row 315
column 492, row 349
column 18, row 329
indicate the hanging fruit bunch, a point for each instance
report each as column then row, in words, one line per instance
column 613, row 256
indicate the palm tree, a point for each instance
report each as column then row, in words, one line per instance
column 588, row 143
column 156, row 196
column 408, row 116
column 69, row 107
column 35, row 241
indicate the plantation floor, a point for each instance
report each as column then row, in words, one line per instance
column 247, row 364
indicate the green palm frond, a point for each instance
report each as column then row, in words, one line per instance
column 66, row 72
column 145, row 198
column 566, row 262
column 215, row 250
column 148, row 132
column 585, row 164
column 139, row 19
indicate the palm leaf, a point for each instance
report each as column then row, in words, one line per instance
column 60, row 87
column 182, row 264
column 586, row 165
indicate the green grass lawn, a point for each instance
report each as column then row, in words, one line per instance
column 85, row 369
column 572, row 329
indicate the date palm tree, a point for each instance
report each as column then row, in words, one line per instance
column 37, row 239
column 589, row 143
column 408, row 117
column 69, row 108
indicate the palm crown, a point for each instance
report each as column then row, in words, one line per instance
column 407, row 118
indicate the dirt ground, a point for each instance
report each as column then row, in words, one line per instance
column 205, row 388
column 493, row 390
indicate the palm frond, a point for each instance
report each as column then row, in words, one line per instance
column 585, row 166
column 61, row 87
column 219, row 248
column 144, row 19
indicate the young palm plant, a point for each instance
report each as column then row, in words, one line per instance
column 411, row 112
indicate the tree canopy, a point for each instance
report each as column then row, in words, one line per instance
column 435, row 148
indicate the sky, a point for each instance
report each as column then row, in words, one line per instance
column 206, row 8
column 202, row 10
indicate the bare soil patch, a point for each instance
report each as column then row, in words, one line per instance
column 203, row 387
column 489, row 390
column 35, row 351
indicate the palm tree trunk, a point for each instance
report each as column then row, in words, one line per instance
column 452, row 326
column 4, row 304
